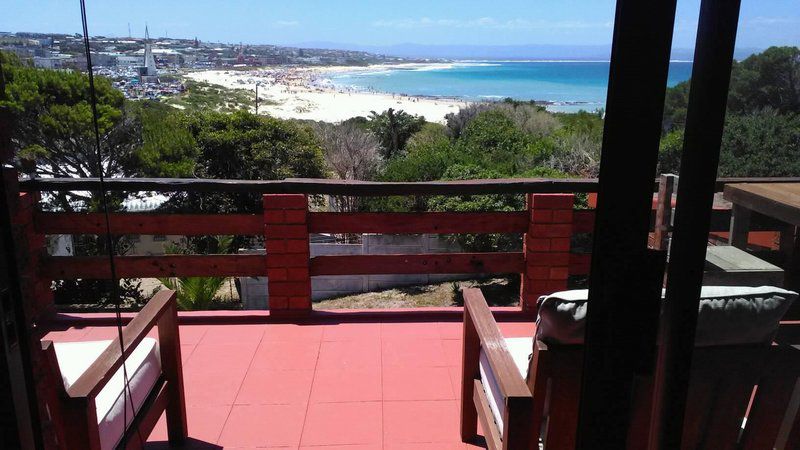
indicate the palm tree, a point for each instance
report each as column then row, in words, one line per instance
column 198, row 293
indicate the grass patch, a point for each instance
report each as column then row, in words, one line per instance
column 498, row 292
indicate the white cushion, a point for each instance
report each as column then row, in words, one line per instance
column 727, row 315
column 520, row 349
column 143, row 367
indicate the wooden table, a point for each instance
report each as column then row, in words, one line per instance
column 780, row 201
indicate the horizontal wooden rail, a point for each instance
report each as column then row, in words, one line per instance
column 345, row 187
column 145, row 223
column 315, row 186
column 413, row 264
column 96, row 267
column 428, row 222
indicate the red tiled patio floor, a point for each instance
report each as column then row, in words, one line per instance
column 380, row 384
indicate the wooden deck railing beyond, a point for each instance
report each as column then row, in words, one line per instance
column 548, row 225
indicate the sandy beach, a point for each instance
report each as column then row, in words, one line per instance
column 307, row 93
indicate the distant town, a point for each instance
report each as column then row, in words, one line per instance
column 144, row 67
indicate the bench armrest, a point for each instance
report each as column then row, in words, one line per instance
column 478, row 315
column 163, row 305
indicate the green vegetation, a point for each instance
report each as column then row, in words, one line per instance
column 212, row 134
column 200, row 96
column 762, row 128
column 393, row 130
column 198, row 293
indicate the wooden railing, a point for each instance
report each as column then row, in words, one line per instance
column 548, row 225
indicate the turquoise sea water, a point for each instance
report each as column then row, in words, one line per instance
column 564, row 85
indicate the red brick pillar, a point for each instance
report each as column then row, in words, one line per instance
column 546, row 247
column 286, row 240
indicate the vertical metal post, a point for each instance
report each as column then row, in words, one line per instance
column 621, row 267
column 256, row 98
column 713, row 59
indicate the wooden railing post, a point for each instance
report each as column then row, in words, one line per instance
column 663, row 223
column 288, row 255
column 36, row 296
column 546, row 247
column 32, row 249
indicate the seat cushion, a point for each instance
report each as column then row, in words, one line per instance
column 143, row 367
column 520, row 349
column 727, row 315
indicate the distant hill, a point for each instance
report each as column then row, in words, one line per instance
column 511, row 52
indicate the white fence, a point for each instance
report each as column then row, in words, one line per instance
column 255, row 295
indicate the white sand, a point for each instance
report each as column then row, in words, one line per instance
column 306, row 93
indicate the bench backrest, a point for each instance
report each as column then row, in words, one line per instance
column 728, row 383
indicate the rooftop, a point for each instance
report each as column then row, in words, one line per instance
column 354, row 380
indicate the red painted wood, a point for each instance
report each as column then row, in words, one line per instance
column 96, row 267
column 424, row 263
column 428, row 222
column 579, row 263
column 583, row 221
column 136, row 223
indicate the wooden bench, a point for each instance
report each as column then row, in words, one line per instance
column 727, row 265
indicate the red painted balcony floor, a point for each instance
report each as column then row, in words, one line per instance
column 386, row 383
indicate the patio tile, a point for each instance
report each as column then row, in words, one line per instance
column 205, row 424
column 286, row 355
column 421, row 422
column 347, row 385
column 450, row 330
column 453, row 351
column 233, row 334
column 212, row 387
column 222, row 357
column 344, row 447
column 409, row 330
column 351, row 332
column 272, row 387
column 186, row 352
column 455, row 380
column 192, row 334
column 342, row 423
column 292, row 332
column 263, row 426
column 426, row 446
column 417, row 383
column 414, row 353
column 349, row 354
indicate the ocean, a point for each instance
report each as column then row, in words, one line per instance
column 565, row 86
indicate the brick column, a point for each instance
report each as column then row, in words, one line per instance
column 286, row 240
column 546, row 246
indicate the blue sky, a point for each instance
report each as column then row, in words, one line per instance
column 379, row 22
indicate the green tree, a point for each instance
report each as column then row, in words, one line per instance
column 669, row 152
column 168, row 147
column 52, row 130
column 393, row 129
column 769, row 79
column 244, row 146
column 761, row 144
